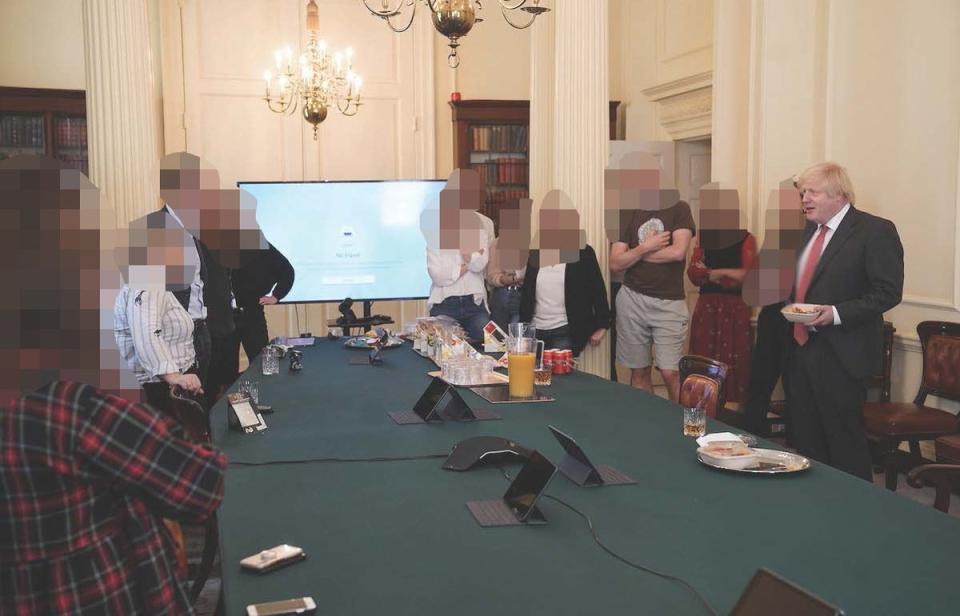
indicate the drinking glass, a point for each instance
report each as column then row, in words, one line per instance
column 270, row 361
column 694, row 421
column 251, row 389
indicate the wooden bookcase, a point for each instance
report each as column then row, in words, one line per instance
column 492, row 137
column 44, row 123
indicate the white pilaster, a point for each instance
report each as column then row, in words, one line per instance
column 542, row 100
column 122, row 114
column 581, row 130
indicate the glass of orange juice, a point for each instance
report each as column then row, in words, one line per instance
column 521, row 359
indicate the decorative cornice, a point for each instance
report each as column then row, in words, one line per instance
column 685, row 106
column 679, row 86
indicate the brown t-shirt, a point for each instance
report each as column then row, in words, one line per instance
column 660, row 280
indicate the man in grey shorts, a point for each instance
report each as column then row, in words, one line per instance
column 655, row 229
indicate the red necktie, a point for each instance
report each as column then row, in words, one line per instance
column 800, row 333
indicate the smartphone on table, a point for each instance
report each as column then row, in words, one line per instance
column 302, row 605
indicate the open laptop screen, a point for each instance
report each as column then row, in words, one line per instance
column 768, row 593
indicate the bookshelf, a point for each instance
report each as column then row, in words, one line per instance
column 44, row 123
column 493, row 137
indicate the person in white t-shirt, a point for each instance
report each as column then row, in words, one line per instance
column 563, row 293
column 458, row 248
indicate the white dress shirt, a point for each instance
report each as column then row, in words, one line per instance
column 443, row 265
column 196, row 308
column 831, row 225
column 550, row 311
column 153, row 332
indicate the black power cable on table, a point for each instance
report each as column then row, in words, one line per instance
column 432, row 456
column 593, row 531
column 629, row 563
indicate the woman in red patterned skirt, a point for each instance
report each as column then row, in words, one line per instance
column 720, row 327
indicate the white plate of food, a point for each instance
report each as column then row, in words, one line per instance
column 759, row 461
column 800, row 313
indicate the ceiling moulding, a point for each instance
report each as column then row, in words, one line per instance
column 685, row 106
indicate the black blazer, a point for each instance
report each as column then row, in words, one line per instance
column 255, row 279
column 584, row 294
column 216, row 288
column 861, row 273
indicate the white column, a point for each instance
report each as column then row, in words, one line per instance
column 582, row 127
column 542, row 99
column 122, row 113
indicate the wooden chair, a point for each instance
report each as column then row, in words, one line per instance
column 890, row 423
column 944, row 475
column 701, row 379
column 188, row 410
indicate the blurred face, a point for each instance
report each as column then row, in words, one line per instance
column 819, row 204
column 720, row 217
column 50, row 310
column 193, row 193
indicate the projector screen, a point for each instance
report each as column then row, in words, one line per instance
column 349, row 239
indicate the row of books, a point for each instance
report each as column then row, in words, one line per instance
column 502, row 196
column 21, row 131
column 506, row 138
column 71, row 132
column 75, row 161
column 503, row 171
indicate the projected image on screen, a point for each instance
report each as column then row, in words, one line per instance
column 349, row 239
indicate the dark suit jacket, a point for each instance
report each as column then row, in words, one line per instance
column 254, row 280
column 216, row 289
column 584, row 295
column 861, row 273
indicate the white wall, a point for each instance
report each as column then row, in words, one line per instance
column 41, row 43
column 874, row 85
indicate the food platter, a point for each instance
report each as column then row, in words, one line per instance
column 769, row 462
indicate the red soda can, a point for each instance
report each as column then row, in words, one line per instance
column 566, row 361
column 548, row 359
column 554, row 355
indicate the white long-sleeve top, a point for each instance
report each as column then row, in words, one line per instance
column 154, row 333
column 443, row 265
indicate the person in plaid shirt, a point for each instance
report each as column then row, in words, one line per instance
column 85, row 475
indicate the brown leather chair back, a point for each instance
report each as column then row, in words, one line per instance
column 699, row 390
column 707, row 367
column 941, row 360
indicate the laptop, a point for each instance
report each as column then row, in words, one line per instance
column 768, row 593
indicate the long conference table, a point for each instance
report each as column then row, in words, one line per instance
column 395, row 537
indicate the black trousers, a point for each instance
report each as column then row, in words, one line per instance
column 222, row 371
column 825, row 405
column 251, row 332
column 769, row 354
column 202, row 346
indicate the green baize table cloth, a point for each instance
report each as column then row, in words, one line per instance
column 395, row 537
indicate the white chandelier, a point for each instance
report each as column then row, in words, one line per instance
column 319, row 81
column 451, row 18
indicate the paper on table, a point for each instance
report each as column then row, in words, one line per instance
column 717, row 437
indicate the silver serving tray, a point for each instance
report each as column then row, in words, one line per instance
column 770, row 462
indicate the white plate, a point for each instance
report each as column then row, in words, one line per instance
column 796, row 317
column 769, row 462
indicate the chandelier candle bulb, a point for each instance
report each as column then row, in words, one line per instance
column 322, row 81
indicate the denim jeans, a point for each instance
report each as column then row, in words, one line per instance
column 557, row 338
column 505, row 306
column 464, row 311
